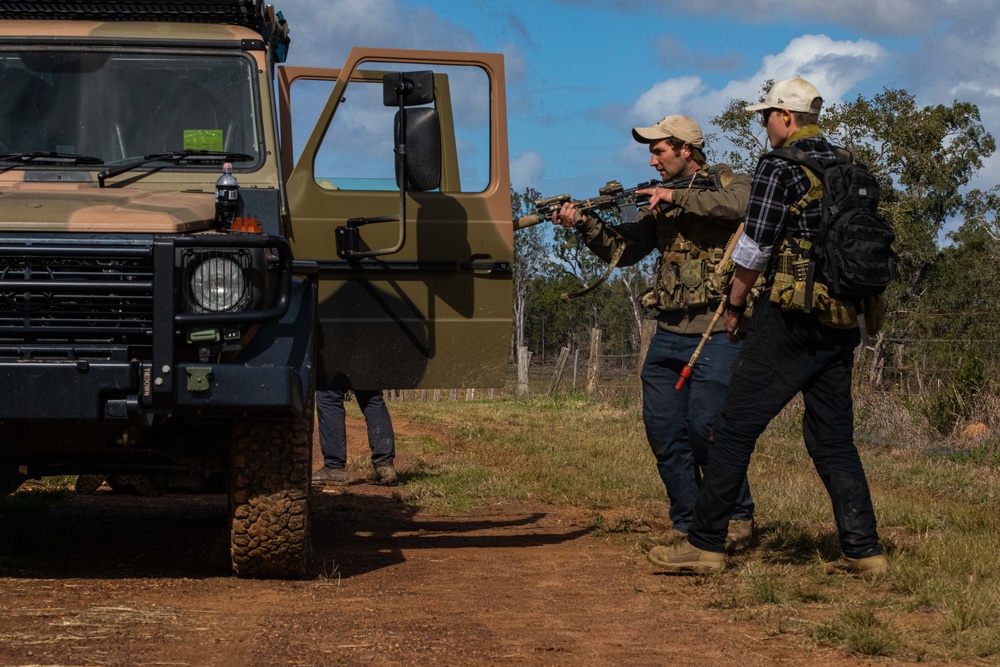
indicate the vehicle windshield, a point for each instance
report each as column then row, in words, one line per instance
column 119, row 107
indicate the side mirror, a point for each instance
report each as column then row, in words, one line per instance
column 417, row 134
column 420, row 157
column 407, row 89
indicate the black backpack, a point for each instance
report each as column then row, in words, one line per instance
column 852, row 252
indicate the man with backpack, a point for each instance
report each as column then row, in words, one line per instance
column 801, row 337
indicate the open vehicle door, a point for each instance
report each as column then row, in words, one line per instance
column 426, row 301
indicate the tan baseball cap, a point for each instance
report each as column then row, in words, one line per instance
column 681, row 127
column 793, row 94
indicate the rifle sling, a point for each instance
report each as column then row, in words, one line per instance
column 597, row 283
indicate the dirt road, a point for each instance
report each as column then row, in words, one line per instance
column 115, row 580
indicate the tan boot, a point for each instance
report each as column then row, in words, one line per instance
column 686, row 558
column 331, row 476
column 872, row 566
column 384, row 475
column 665, row 539
column 739, row 536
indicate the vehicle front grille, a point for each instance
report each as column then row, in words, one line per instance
column 75, row 292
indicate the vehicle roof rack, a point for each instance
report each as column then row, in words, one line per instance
column 248, row 13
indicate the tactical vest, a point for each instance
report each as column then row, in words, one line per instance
column 686, row 274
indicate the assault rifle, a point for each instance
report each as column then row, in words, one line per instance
column 613, row 195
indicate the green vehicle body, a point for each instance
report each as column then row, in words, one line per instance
column 154, row 342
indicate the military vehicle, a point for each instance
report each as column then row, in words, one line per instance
column 163, row 334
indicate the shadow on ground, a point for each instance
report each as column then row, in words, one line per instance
column 111, row 536
column 365, row 533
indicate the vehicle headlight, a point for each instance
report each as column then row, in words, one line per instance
column 217, row 284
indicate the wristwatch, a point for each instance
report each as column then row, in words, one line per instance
column 739, row 310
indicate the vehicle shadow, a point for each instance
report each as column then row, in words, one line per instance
column 111, row 536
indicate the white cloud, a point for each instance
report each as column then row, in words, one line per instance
column 834, row 67
column 665, row 97
column 526, row 169
column 323, row 31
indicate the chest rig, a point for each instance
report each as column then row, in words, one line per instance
column 691, row 249
column 686, row 275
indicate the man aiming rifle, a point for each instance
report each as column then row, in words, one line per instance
column 691, row 235
column 613, row 195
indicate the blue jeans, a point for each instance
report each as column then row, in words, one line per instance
column 679, row 423
column 786, row 353
column 333, row 428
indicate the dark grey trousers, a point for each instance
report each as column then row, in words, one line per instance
column 333, row 429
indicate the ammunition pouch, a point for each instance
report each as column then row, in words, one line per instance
column 790, row 295
column 690, row 283
column 795, row 288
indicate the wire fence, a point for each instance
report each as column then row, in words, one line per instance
column 908, row 366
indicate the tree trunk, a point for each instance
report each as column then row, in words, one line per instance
column 594, row 363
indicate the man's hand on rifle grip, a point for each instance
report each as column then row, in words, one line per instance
column 567, row 216
column 657, row 196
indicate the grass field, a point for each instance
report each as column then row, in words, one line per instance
column 936, row 498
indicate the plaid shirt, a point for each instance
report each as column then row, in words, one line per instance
column 777, row 184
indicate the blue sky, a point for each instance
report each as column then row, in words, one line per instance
column 582, row 73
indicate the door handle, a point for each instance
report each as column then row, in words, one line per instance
column 488, row 266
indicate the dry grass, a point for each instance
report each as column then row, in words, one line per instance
column 935, row 497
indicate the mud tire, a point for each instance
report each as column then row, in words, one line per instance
column 270, row 467
column 10, row 480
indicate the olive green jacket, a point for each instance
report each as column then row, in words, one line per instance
column 701, row 220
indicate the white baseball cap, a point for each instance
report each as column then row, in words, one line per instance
column 793, row 94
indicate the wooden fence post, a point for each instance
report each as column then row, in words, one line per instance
column 557, row 375
column 576, row 363
column 878, row 361
column 523, row 359
column 594, row 363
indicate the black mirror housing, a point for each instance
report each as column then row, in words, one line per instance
column 408, row 89
column 423, row 150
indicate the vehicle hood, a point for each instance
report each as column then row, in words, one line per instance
column 69, row 208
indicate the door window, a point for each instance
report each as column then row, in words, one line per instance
column 356, row 152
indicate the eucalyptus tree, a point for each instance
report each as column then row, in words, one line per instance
column 530, row 258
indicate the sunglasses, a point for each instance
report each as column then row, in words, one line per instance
column 765, row 114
